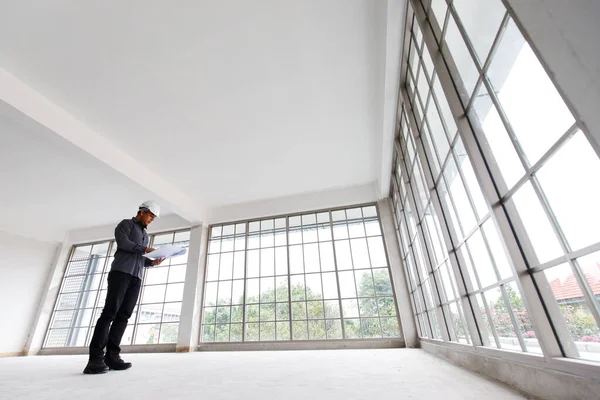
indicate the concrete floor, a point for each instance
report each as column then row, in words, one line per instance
column 331, row 374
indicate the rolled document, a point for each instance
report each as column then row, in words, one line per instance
column 166, row 251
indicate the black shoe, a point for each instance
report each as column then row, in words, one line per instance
column 95, row 366
column 116, row 363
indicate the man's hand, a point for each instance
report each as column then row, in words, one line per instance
column 149, row 249
column 157, row 261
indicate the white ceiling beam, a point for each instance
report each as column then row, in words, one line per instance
column 18, row 98
column 396, row 15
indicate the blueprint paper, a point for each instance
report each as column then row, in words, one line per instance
column 166, row 251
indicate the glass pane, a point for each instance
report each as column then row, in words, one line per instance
column 459, row 195
column 252, row 290
column 501, row 320
column 332, row 309
column 223, row 315
column 538, row 228
column 438, row 133
column 267, row 262
column 377, row 252
column 333, row 328
column 252, row 332
column 481, row 260
column 235, row 333
column 282, row 311
column 296, row 260
column 326, row 256
column 352, row 328
column 315, row 310
column 237, row 294
column 208, row 333
column 316, row 330
column 237, row 313
column 281, row 289
column 238, row 265
column 364, row 283
column 528, row 97
column 267, row 331
column 464, row 63
column 342, row 254
column 498, row 140
column 383, row 285
column 360, row 253
column 460, row 327
column 298, row 290
column 438, row 9
column 147, row 334
column 330, row 290
column 471, row 183
column 100, row 250
column 574, row 309
column 267, row 312
column 300, row 330
column 227, row 244
column 253, row 313
column 590, row 267
column 176, row 273
column 224, row 297
column 226, row 266
column 154, row 294
column 314, row 290
column 311, row 258
column 497, row 249
column 298, row 310
column 350, row 308
column 370, row 327
column 222, row 333
column 281, row 267
column 212, row 267
column 156, row 275
column 282, row 330
column 487, row 331
column 522, row 317
column 446, row 114
column 573, row 197
column 210, row 315
column 347, row 287
column 175, row 292
column 267, row 290
column 481, row 20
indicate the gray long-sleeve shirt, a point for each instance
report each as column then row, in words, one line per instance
column 132, row 241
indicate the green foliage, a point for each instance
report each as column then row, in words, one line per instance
column 268, row 314
column 579, row 321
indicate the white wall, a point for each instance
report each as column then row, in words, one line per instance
column 565, row 35
column 293, row 204
column 24, row 268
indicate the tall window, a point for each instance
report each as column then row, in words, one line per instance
column 487, row 98
column 83, row 292
column 315, row 276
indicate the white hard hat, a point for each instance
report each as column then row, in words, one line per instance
column 151, row 206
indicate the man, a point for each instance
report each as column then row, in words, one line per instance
column 124, row 284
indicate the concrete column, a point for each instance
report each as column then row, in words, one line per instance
column 35, row 341
column 407, row 318
column 193, row 291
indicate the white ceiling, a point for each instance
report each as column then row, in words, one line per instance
column 50, row 186
column 230, row 101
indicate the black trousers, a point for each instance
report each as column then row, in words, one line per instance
column 121, row 297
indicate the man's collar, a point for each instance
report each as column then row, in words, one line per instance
column 138, row 222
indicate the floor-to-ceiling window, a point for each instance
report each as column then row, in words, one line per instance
column 83, row 292
column 495, row 208
column 312, row 276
